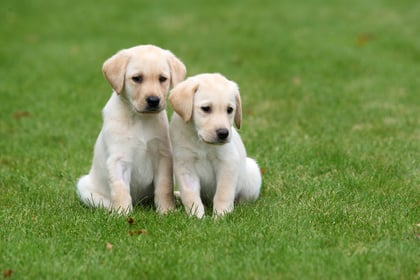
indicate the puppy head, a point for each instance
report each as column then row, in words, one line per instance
column 212, row 102
column 142, row 76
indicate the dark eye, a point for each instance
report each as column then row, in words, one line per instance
column 206, row 109
column 162, row 79
column 138, row 79
column 229, row 110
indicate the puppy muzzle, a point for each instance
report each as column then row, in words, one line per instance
column 153, row 102
column 152, row 105
column 219, row 137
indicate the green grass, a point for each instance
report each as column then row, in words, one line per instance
column 331, row 101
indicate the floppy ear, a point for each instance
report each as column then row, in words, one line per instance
column 178, row 69
column 182, row 98
column 238, row 112
column 114, row 70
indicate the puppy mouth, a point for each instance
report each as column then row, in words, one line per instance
column 152, row 110
column 215, row 141
column 148, row 110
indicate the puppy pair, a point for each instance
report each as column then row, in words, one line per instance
column 132, row 159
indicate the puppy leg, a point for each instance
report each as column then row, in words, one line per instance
column 252, row 182
column 164, row 187
column 90, row 197
column 189, row 187
column 224, row 197
column 121, row 198
column 119, row 182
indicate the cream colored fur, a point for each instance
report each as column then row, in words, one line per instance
column 210, row 161
column 132, row 159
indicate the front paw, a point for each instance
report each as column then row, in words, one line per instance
column 195, row 210
column 165, row 207
column 122, row 209
column 121, row 202
column 221, row 210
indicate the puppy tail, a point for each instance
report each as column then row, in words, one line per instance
column 253, row 181
column 87, row 195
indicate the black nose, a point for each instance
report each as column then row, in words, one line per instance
column 153, row 101
column 222, row 133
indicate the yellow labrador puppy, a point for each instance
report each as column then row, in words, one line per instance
column 132, row 159
column 209, row 157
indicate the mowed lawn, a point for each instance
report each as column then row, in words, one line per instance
column 331, row 111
